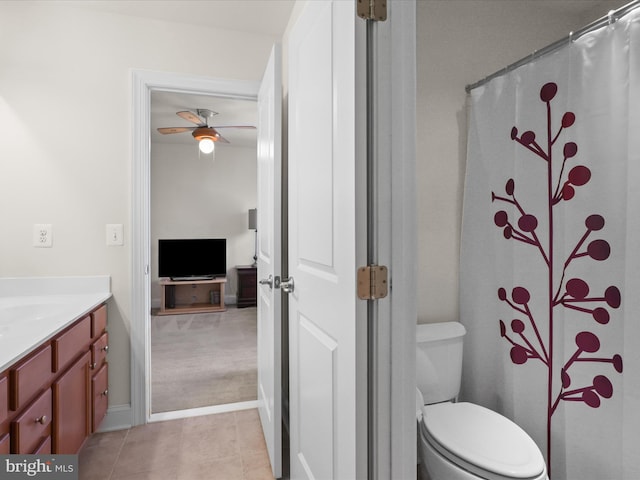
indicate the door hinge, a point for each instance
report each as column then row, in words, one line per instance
column 372, row 10
column 372, row 282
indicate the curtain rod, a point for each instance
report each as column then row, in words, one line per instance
column 608, row 19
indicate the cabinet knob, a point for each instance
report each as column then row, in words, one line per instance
column 105, row 393
column 42, row 420
column 93, row 365
column 105, row 348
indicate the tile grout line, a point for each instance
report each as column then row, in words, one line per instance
column 181, row 438
column 115, row 462
column 235, row 421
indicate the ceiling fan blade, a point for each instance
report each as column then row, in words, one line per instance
column 221, row 139
column 167, row 130
column 233, row 126
column 191, row 117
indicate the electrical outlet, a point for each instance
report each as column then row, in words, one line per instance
column 115, row 234
column 42, row 235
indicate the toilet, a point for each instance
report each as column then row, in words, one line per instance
column 463, row 441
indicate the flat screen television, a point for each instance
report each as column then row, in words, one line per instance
column 184, row 259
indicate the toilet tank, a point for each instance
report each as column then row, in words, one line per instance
column 439, row 360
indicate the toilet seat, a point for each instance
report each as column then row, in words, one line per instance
column 482, row 441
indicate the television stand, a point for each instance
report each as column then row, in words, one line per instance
column 191, row 296
column 192, row 278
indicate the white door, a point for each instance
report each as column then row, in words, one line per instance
column 326, row 322
column 269, row 244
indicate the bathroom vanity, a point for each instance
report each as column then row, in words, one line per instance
column 53, row 369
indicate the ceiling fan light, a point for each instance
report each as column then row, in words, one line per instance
column 205, row 132
column 206, row 145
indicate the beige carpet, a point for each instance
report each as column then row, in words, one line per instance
column 203, row 359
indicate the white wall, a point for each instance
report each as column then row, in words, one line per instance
column 195, row 197
column 458, row 43
column 65, row 137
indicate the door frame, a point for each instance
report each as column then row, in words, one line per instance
column 392, row 321
column 143, row 83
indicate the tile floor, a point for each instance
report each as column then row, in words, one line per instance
column 225, row 446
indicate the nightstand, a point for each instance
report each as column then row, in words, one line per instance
column 247, row 286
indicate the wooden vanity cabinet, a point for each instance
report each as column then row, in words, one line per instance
column 48, row 395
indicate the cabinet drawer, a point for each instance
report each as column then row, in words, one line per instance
column 99, row 395
column 4, row 399
column 28, row 377
column 249, row 281
column 4, row 444
column 98, row 321
column 68, row 345
column 99, row 351
column 33, row 426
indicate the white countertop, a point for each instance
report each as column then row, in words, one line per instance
column 33, row 310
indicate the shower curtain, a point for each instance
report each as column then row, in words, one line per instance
column 550, row 252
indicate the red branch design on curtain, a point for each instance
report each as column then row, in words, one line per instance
column 573, row 294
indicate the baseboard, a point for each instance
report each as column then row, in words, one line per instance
column 196, row 412
column 118, row 418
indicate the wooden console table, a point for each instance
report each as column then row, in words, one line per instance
column 192, row 296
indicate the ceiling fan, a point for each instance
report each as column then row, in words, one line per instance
column 203, row 132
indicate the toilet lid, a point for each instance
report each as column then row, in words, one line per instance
column 484, row 439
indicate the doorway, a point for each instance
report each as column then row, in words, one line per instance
column 144, row 84
column 197, row 196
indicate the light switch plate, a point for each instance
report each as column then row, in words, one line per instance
column 115, row 234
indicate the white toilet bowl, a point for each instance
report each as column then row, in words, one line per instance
column 464, row 441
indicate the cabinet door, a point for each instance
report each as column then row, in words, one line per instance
column 71, row 425
column 99, row 394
